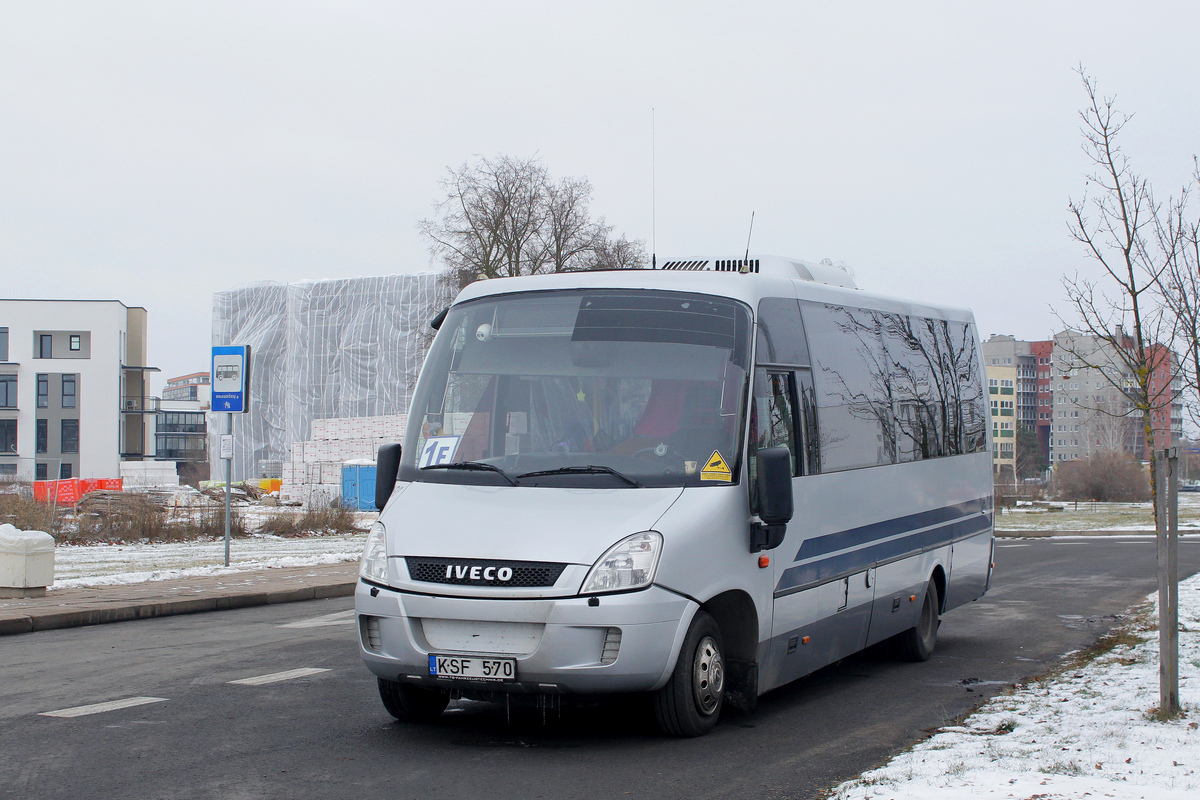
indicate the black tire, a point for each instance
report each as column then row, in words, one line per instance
column 917, row 643
column 691, row 702
column 412, row 703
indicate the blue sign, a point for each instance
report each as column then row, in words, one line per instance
column 231, row 379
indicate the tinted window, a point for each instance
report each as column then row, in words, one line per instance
column 853, row 386
column 925, row 371
column 772, row 418
column 780, row 333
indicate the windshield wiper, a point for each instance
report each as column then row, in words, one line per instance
column 477, row 466
column 590, row 469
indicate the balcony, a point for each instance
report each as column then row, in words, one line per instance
column 139, row 405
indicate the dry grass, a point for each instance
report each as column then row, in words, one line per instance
column 334, row 520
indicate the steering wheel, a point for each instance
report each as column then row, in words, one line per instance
column 661, row 450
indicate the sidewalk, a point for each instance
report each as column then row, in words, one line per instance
column 68, row 608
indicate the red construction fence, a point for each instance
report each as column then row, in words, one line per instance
column 66, row 492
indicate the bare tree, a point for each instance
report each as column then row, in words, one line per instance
column 505, row 216
column 1178, row 235
column 1116, row 222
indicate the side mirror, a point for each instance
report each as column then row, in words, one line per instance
column 774, row 496
column 387, row 466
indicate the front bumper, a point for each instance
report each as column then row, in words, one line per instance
column 559, row 644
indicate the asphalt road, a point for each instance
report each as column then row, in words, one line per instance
column 325, row 734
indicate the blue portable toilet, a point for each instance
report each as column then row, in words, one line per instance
column 358, row 484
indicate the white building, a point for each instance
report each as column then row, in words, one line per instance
column 73, row 388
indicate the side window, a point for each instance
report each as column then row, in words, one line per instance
column 854, row 388
column 773, row 416
column 780, row 332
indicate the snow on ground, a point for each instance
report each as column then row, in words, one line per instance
column 115, row 564
column 1085, row 733
column 1095, row 516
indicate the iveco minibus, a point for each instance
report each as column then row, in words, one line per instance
column 698, row 483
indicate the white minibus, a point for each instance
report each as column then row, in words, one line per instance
column 698, row 482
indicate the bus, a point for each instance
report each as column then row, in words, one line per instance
column 697, row 483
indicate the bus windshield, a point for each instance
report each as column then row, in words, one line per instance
column 587, row 388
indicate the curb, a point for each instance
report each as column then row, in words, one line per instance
column 135, row 610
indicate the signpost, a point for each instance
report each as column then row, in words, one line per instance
column 1167, row 524
column 230, row 395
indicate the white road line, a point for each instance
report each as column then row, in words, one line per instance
column 279, row 676
column 337, row 618
column 97, row 708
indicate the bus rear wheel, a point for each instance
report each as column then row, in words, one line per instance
column 412, row 703
column 690, row 703
column 917, row 643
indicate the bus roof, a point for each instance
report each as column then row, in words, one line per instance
column 748, row 281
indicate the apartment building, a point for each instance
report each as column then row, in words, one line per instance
column 195, row 387
column 74, row 394
column 1071, row 390
column 1092, row 410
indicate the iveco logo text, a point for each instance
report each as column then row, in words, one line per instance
column 458, row 572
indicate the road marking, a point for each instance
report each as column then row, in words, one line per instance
column 279, row 676
column 97, row 708
column 1014, row 545
column 337, row 618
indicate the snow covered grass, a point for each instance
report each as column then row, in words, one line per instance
column 1096, row 516
column 1088, row 731
column 116, row 564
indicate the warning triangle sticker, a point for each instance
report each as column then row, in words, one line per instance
column 716, row 469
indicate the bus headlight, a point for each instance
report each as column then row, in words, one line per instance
column 373, row 565
column 629, row 564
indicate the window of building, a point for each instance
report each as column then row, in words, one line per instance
column 40, row 471
column 70, row 436
column 64, row 470
column 43, row 436
column 75, row 342
column 8, row 391
column 3, row 344
column 68, row 391
column 43, row 390
column 8, row 470
column 8, row 436
column 45, row 346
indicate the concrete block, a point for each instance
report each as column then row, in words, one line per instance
column 26, row 562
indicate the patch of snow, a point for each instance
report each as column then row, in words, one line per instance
column 118, row 564
column 1086, row 733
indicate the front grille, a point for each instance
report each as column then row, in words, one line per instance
column 459, row 572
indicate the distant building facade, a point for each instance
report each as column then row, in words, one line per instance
column 1072, row 392
column 74, row 394
column 196, row 387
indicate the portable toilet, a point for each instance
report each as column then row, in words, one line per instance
column 358, row 484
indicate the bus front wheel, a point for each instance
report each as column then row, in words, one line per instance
column 412, row 703
column 690, row 703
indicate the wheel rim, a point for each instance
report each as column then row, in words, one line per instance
column 708, row 676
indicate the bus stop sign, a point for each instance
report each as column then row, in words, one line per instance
column 231, row 379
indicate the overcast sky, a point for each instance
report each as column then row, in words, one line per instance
column 156, row 152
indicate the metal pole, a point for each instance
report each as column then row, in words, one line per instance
column 228, row 485
column 1173, row 578
column 1166, row 524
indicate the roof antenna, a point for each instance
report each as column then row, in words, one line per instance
column 653, row 200
column 746, row 260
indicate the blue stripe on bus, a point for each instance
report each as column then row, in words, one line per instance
column 856, row 537
column 868, row 555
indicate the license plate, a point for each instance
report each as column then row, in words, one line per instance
column 476, row 668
